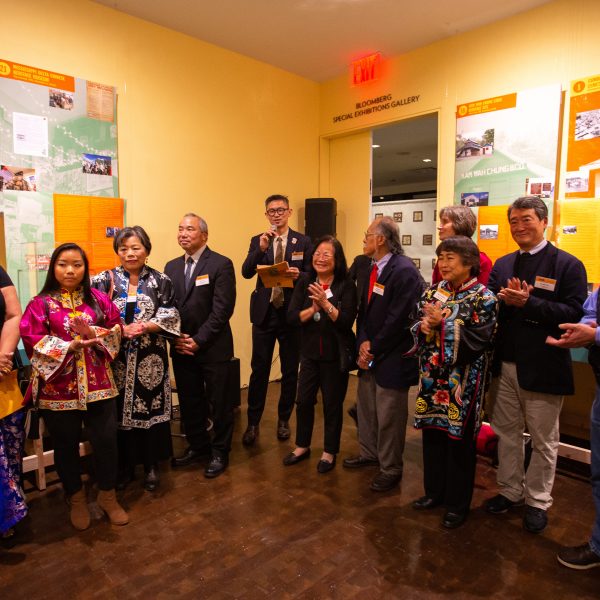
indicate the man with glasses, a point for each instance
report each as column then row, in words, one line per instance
column 390, row 291
column 268, row 308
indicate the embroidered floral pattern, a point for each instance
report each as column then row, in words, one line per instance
column 64, row 380
column 454, row 361
column 142, row 368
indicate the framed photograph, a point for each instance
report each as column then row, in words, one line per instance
column 433, row 261
column 398, row 217
column 417, row 216
column 417, row 262
column 427, row 239
column 378, row 215
column 406, row 240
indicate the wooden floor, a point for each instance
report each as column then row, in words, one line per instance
column 267, row 531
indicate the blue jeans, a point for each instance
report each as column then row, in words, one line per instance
column 595, row 446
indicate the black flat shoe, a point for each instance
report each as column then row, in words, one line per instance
column 425, row 503
column 152, row 479
column 293, row 459
column 452, row 520
column 324, row 466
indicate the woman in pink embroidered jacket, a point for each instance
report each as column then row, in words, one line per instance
column 71, row 333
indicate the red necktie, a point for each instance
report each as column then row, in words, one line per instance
column 372, row 280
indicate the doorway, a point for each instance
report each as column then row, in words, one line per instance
column 405, row 184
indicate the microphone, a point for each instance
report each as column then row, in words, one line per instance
column 273, row 228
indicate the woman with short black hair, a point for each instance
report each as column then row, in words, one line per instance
column 453, row 338
column 324, row 306
column 146, row 300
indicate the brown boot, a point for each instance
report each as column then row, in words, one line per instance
column 107, row 501
column 80, row 515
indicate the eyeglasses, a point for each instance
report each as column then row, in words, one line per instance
column 276, row 211
column 324, row 255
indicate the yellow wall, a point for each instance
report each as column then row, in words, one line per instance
column 239, row 130
column 555, row 43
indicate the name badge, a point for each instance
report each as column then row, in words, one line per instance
column 378, row 289
column 297, row 255
column 131, row 298
column 202, row 280
column 441, row 295
column 328, row 293
column 545, row 283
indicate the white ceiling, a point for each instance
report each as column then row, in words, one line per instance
column 318, row 39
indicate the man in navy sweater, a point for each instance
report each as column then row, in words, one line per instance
column 539, row 288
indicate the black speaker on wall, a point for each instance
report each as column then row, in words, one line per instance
column 320, row 217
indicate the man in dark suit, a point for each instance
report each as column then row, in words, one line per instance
column 539, row 287
column 268, row 308
column 390, row 293
column 204, row 284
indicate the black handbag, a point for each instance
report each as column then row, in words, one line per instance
column 347, row 351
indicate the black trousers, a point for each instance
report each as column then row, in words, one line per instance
column 449, row 467
column 263, row 344
column 203, row 394
column 315, row 374
column 100, row 420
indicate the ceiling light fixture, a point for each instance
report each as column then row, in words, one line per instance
column 426, row 160
column 375, row 146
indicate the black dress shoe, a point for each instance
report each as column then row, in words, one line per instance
column 324, row 466
column 356, row 462
column 283, row 430
column 250, row 435
column 215, row 467
column 152, row 479
column 535, row 519
column 384, row 482
column 452, row 520
column 425, row 503
column 293, row 459
column 188, row 457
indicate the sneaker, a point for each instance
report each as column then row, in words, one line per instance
column 535, row 519
column 500, row 504
column 579, row 557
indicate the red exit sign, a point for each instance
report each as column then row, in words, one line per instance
column 366, row 69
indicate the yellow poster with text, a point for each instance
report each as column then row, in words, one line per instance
column 91, row 222
column 579, row 231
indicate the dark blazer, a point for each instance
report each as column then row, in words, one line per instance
column 359, row 271
column 261, row 296
column 385, row 321
column 318, row 338
column 206, row 309
column 540, row 367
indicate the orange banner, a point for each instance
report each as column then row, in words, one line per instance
column 11, row 70
column 487, row 105
column 91, row 222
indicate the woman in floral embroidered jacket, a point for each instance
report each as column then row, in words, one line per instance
column 453, row 338
column 146, row 299
column 71, row 333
